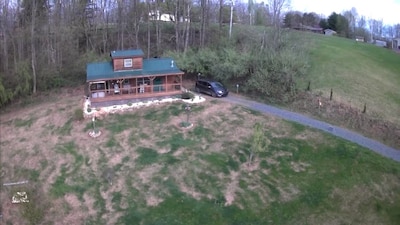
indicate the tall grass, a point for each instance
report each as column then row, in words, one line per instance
column 358, row 73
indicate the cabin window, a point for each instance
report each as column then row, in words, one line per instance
column 143, row 80
column 127, row 62
column 98, row 86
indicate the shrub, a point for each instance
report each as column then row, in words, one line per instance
column 187, row 95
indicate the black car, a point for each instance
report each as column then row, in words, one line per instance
column 211, row 87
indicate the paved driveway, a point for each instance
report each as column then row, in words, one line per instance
column 334, row 130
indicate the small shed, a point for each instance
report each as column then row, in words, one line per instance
column 360, row 39
column 329, row 32
column 380, row 43
column 396, row 43
column 129, row 76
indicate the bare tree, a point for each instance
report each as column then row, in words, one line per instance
column 276, row 7
column 250, row 9
column 121, row 23
column 4, row 33
column 33, row 46
column 397, row 30
column 186, row 18
column 148, row 27
column 376, row 28
column 351, row 16
column 362, row 22
column 204, row 21
column 135, row 13
column 221, row 7
column 177, row 25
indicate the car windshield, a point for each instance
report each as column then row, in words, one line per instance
column 217, row 85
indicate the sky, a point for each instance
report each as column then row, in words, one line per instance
column 386, row 10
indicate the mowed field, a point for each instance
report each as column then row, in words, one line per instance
column 146, row 169
column 358, row 74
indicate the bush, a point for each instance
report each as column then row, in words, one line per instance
column 187, row 95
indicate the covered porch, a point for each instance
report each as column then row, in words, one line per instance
column 135, row 87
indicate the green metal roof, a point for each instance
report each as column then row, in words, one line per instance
column 126, row 53
column 151, row 67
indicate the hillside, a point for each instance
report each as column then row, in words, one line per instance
column 145, row 169
column 358, row 74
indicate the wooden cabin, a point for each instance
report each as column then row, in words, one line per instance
column 129, row 76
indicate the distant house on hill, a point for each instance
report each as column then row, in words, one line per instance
column 360, row 39
column 396, row 43
column 380, row 43
column 329, row 32
column 156, row 15
column 302, row 27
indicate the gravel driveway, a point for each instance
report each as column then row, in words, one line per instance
column 334, row 130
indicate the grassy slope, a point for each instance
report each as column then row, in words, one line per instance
column 303, row 177
column 358, row 73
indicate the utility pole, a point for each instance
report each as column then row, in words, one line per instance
column 230, row 25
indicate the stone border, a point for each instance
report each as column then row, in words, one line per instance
column 184, row 128
column 94, row 134
column 102, row 111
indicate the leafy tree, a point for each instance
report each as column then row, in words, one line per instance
column 333, row 21
column 5, row 94
column 339, row 23
column 261, row 15
column 259, row 142
column 323, row 23
column 292, row 19
column 310, row 19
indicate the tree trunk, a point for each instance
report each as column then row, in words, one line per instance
column 136, row 24
column 158, row 30
column 121, row 22
column 187, row 23
column 148, row 29
column 203, row 22
column 177, row 38
column 251, row 157
column 5, row 33
column 33, row 47
column 221, row 4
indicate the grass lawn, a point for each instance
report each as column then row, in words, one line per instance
column 146, row 169
column 357, row 72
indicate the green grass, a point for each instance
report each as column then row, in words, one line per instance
column 79, row 186
column 65, row 129
column 358, row 73
column 147, row 156
column 302, row 177
column 24, row 123
column 334, row 165
column 176, row 141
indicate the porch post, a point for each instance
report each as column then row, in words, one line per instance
column 166, row 83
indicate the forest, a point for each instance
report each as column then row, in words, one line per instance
column 45, row 44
